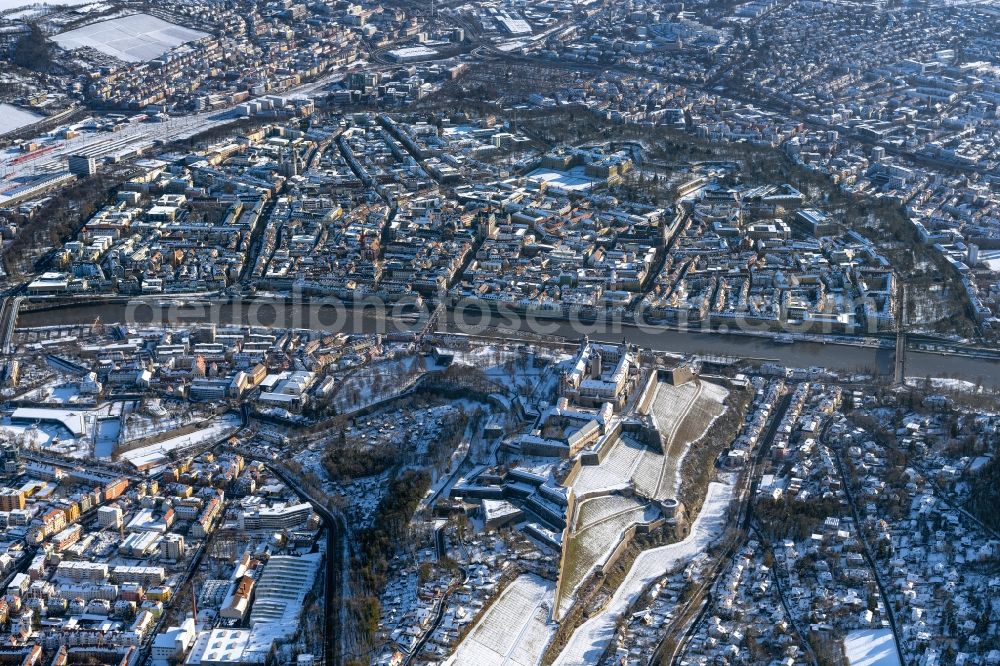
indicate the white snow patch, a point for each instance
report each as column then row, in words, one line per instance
column 871, row 647
column 156, row 454
column 134, row 38
column 12, row 118
column 17, row 4
column 108, row 433
column 946, row 384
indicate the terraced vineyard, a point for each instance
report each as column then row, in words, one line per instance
column 624, row 461
column 514, row 630
column 597, row 530
column 683, row 414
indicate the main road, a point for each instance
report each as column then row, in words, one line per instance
column 833, row 355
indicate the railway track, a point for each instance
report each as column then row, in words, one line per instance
column 696, row 607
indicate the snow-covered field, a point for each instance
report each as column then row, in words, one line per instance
column 17, row 4
column 134, row 38
column 624, row 462
column 871, row 647
column 156, row 454
column 38, row 435
column 514, row 630
column 590, row 639
column 12, row 118
column 574, row 179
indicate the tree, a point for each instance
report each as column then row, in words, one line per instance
column 34, row 51
column 461, row 525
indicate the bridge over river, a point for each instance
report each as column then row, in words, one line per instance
column 839, row 356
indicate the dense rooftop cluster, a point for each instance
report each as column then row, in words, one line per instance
column 273, row 436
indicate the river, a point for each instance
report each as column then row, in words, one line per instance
column 324, row 316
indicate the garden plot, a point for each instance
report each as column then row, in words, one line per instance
column 514, row 630
column 591, row 512
column 135, row 38
column 597, row 530
column 648, row 475
column 683, row 414
column 590, row 639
